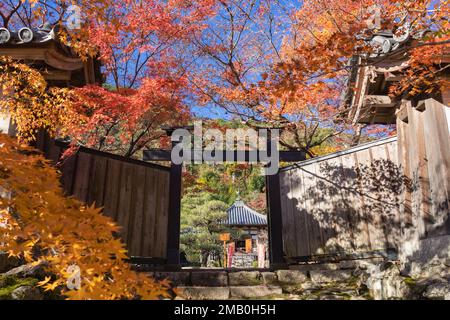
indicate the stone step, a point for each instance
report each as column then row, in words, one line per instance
column 221, row 278
column 330, row 276
column 260, row 284
column 223, row 293
column 341, row 265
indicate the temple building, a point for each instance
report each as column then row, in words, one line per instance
column 367, row 99
column 41, row 49
column 248, row 248
column 422, row 122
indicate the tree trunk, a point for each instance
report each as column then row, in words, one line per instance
column 357, row 136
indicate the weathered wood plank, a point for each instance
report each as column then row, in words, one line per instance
column 148, row 244
column 337, row 231
column 297, row 217
column 321, row 223
column 68, row 170
column 403, row 156
column 287, row 213
column 112, row 188
column 161, row 224
column 424, row 194
column 345, row 232
column 98, row 181
column 355, row 205
column 135, row 210
column 82, row 177
column 124, row 205
column 301, row 209
column 438, row 154
column 373, row 201
column 392, row 222
column 312, row 225
column 415, row 165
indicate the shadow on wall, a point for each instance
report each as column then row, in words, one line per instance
column 342, row 209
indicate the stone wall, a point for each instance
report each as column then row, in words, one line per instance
column 310, row 284
column 421, row 272
column 427, row 257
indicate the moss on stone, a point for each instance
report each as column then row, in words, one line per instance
column 9, row 284
column 292, row 289
column 410, row 282
column 275, row 297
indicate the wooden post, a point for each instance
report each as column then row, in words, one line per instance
column 173, row 227
column 275, row 224
column 225, row 262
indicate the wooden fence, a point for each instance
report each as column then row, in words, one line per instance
column 424, row 153
column 134, row 193
column 342, row 204
column 375, row 197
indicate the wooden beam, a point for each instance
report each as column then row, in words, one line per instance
column 49, row 55
column 62, row 75
column 402, row 113
column 147, row 261
column 24, row 53
column 227, row 156
column 378, row 101
column 174, row 219
column 59, row 61
column 292, row 156
column 384, row 119
column 64, row 145
column 394, row 78
column 156, row 155
column 275, row 224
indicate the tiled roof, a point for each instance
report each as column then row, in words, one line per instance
column 240, row 214
column 42, row 34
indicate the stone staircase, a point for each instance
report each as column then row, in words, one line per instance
column 336, row 281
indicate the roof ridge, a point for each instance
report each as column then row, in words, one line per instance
column 242, row 214
column 255, row 212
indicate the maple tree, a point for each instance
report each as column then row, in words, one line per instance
column 135, row 40
column 39, row 224
column 32, row 105
column 274, row 63
column 125, row 120
column 137, row 43
column 271, row 63
column 329, row 34
column 238, row 51
column 121, row 121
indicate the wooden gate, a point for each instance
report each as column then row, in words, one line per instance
column 344, row 204
column 134, row 193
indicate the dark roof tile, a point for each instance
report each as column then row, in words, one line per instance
column 240, row 214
